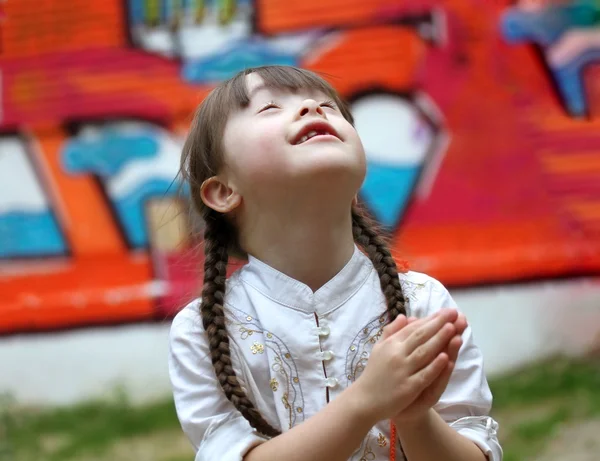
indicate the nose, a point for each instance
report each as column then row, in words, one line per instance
column 310, row 107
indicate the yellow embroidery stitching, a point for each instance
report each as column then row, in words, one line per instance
column 245, row 333
column 257, row 348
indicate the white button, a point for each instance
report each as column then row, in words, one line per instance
column 327, row 355
column 331, row 382
column 324, row 331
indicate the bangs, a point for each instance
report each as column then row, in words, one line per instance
column 235, row 91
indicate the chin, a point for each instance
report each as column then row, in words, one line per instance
column 321, row 160
column 334, row 179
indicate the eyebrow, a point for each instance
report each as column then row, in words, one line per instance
column 255, row 90
column 264, row 86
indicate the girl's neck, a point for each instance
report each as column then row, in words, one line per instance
column 311, row 249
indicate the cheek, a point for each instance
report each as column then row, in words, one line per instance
column 257, row 155
column 352, row 138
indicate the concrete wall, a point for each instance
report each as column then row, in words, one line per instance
column 513, row 326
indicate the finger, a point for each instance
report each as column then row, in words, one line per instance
column 412, row 319
column 410, row 328
column 414, row 325
column 433, row 393
column 454, row 347
column 461, row 324
column 418, row 333
column 398, row 323
column 427, row 376
column 426, row 352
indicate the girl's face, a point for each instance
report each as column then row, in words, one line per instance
column 286, row 147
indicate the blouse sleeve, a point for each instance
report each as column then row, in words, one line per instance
column 466, row 403
column 216, row 429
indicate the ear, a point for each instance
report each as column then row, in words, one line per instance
column 217, row 195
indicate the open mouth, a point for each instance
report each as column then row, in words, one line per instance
column 313, row 130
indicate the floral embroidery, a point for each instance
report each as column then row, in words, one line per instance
column 279, row 366
column 283, row 363
column 411, row 289
column 284, row 399
column 368, row 451
column 359, row 349
column 367, row 454
column 257, row 348
column 274, row 384
column 245, row 332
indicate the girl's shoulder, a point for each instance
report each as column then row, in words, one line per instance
column 424, row 294
column 188, row 319
column 413, row 280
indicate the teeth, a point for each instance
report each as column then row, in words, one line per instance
column 310, row 134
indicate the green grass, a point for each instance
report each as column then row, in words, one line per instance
column 548, row 380
column 86, row 428
column 531, row 405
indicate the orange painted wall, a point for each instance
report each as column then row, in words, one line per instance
column 510, row 195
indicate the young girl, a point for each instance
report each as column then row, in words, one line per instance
column 313, row 350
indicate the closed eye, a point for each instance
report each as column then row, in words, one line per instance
column 267, row 106
column 329, row 104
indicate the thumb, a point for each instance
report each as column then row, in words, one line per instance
column 394, row 327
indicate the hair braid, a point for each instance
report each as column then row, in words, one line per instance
column 366, row 236
column 216, row 241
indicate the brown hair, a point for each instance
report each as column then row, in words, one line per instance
column 202, row 158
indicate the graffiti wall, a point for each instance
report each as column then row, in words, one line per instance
column 481, row 123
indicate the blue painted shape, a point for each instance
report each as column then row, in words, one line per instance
column 386, row 190
column 131, row 208
column 136, row 12
column 234, row 58
column 106, row 155
column 547, row 25
column 30, row 234
column 137, row 8
column 166, row 11
column 570, row 81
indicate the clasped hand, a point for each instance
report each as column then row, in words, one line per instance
column 410, row 366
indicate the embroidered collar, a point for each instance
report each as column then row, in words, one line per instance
column 296, row 295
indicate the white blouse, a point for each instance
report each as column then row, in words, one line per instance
column 293, row 349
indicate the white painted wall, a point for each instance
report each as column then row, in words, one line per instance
column 19, row 187
column 516, row 325
column 513, row 325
